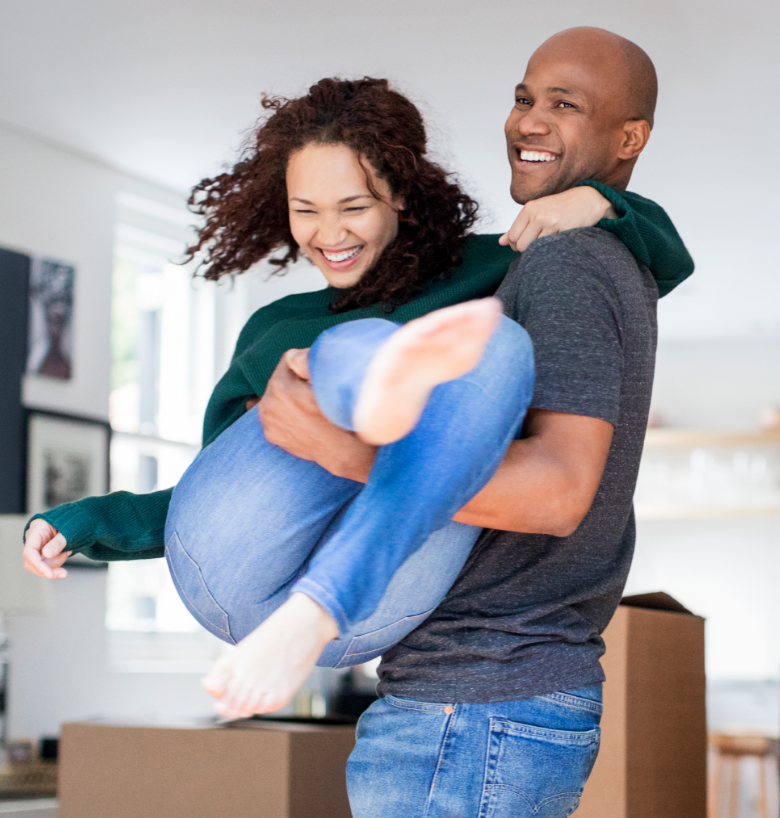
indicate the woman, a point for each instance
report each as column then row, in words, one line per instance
column 340, row 174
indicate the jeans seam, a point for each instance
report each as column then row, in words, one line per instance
column 172, row 569
column 574, row 702
column 442, row 749
column 394, row 701
column 579, row 738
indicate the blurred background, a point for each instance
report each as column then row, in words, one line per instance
column 111, row 112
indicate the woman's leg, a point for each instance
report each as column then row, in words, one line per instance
column 416, row 486
column 243, row 521
column 418, row 483
column 279, row 508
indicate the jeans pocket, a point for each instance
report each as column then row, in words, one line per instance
column 194, row 592
column 536, row 771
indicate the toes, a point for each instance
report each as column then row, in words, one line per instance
column 218, row 678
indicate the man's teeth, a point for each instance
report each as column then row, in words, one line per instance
column 537, row 156
column 343, row 256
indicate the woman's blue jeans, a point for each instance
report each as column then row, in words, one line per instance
column 250, row 524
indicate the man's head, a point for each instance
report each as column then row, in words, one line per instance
column 584, row 110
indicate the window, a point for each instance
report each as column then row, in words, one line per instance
column 172, row 338
column 162, row 374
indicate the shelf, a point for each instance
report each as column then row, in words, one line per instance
column 690, row 439
column 682, row 512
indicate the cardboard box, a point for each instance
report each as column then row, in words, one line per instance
column 273, row 770
column 652, row 762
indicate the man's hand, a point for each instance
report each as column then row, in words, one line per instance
column 293, row 421
column 44, row 551
column 578, row 207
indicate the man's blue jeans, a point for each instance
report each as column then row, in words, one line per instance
column 249, row 524
column 506, row 760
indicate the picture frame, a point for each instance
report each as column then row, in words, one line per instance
column 68, row 458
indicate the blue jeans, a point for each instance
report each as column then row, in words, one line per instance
column 249, row 524
column 506, row 760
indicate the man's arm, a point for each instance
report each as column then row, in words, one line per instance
column 547, row 481
column 545, row 484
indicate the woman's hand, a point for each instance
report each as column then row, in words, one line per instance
column 578, row 207
column 44, row 551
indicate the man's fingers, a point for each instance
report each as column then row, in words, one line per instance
column 298, row 362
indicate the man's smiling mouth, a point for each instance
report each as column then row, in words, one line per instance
column 342, row 255
column 535, row 156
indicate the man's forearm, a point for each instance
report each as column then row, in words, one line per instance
column 530, row 492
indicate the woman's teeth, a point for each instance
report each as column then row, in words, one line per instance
column 537, row 156
column 345, row 255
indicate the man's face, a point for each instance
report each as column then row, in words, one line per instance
column 565, row 125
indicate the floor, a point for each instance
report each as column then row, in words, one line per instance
column 39, row 808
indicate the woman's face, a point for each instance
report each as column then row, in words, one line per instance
column 334, row 218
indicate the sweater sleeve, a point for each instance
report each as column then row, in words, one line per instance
column 649, row 234
column 118, row 526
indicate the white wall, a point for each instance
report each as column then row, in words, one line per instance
column 56, row 203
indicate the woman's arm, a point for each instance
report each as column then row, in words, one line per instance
column 119, row 526
column 649, row 234
column 639, row 223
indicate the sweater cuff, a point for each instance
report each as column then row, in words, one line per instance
column 72, row 523
column 625, row 226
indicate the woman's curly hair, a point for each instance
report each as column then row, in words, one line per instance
column 246, row 210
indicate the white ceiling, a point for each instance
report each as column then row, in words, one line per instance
column 165, row 88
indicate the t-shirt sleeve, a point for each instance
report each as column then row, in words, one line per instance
column 568, row 305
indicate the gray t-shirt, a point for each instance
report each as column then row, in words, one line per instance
column 525, row 615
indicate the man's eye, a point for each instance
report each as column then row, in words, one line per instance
column 522, row 101
column 564, row 105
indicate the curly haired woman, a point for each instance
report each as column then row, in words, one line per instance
column 260, row 542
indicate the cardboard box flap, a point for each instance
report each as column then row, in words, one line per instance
column 656, row 601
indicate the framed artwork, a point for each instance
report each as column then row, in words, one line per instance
column 51, row 319
column 67, row 459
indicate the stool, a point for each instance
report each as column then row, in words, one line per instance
column 728, row 752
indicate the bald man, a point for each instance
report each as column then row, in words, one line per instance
column 491, row 707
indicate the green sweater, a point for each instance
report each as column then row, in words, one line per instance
column 125, row 526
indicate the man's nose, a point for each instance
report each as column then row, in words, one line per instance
column 533, row 123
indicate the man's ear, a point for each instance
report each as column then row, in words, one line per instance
column 636, row 133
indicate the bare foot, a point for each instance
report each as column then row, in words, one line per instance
column 434, row 349
column 266, row 669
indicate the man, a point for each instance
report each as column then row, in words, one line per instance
column 491, row 707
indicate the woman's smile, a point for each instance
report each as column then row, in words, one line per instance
column 342, row 259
